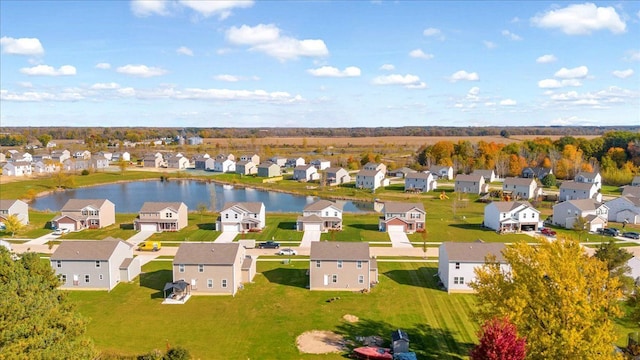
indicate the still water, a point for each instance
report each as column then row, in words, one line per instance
column 129, row 197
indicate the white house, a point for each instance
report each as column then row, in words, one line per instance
column 457, row 262
column 337, row 176
column 321, row 215
column 294, row 162
column 589, row 177
column 18, row 208
column 511, row 216
column 521, row 188
column 241, row 217
column 624, row 208
column 254, row 158
column 279, row 160
column 442, row 172
column 121, row 156
column 371, row 179
column 472, row 184
column 572, row 190
column 220, row 165
column 321, row 164
column 17, row 168
column 594, row 212
column 305, row 173
column 489, row 175
column 420, row 181
column 375, row 166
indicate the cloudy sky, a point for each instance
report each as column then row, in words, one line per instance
column 319, row 63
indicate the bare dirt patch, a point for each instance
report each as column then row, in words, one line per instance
column 320, row 342
column 350, row 318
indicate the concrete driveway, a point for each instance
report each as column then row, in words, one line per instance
column 226, row 237
column 308, row 237
column 140, row 237
column 42, row 239
column 399, row 239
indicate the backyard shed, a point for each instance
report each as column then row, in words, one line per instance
column 399, row 341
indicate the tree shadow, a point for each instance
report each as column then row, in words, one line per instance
column 206, row 226
column 288, row 276
column 47, row 225
column 370, row 227
column 472, row 227
column 156, row 280
column 423, row 277
column 127, row 226
column 287, row 225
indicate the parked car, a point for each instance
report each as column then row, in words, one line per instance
column 631, row 235
column 60, row 231
column 548, row 232
column 287, row 251
column 609, row 232
column 269, row 245
column 150, row 246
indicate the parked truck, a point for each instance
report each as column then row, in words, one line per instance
column 150, row 246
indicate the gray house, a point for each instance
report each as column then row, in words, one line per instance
column 268, row 169
column 472, row 184
column 337, row 176
column 341, row 266
column 246, row 167
column 420, row 181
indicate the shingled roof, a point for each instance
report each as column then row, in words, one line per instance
column 207, row 253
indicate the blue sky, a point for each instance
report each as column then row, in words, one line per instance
column 319, row 63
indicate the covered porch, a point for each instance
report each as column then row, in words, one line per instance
column 177, row 292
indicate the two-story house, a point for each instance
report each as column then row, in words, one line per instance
column 322, row 215
column 177, row 162
column 246, row 167
column 254, row 158
column 293, row 162
column 442, row 172
column 153, row 160
column 402, row 172
column 15, row 207
column 241, row 217
column 321, row 164
column 305, row 173
column 17, row 168
column 82, row 154
column 341, row 266
column 60, row 155
column 403, row 217
column 572, row 190
column 337, row 176
column 593, row 212
column 279, row 160
column 94, row 265
column 213, row 269
column 162, row 216
column 457, row 262
column 470, row 184
column 98, row 162
column 589, row 177
column 200, row 161
column 371, row 179
column 506, row 216
column 373, row 166
column 79, row 214
column 268, row 169
column 121, row 156
column 521, row 188
column 224, row 165
column 488, row 175
column 420, row 181
column 624, row 209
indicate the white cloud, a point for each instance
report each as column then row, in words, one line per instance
column 141, row 70
column 419, row 54
column 46, row 70
column 556, row 84
column 598, row 99
column 222, row 8
column 143, row 8
column 21, row 46
column 463, row 75
column 25, row 84
column 105, row 86
column 581, row 19
column 387, row 67
column 489, row 44
column 510, row 35
column 508, row 102
column 575, row 73
column 623, row 74
column 39, row 96
column 183, row 50
column 546, row 59
column 103, row 66
column 227, row 78
column 433, row 32
column 473, row 94
column 267, row 39
column 632, row 55
column 409, row 81
column 330, row 71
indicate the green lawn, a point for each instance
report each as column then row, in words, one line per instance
column 279, row 226
column 122, row 229
column 264, row 319
column 358, row 227
column 38, row 225
column 200, row 228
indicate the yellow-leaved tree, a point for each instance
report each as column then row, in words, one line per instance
column 561, row 300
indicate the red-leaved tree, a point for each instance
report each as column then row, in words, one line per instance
column 499, row 341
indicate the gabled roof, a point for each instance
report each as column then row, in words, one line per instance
column 518, row 181
column 401, row 207
column 207, row 253
column 538, row 171
column 333, row 169
column 86, row 250
column 469, row 178
column 473, row 251
column 251, row 207
column 267, row 164
column 310, row 219
column 507, row 206
column 635, row 201
column 404, row 170
column 304, row 167
column 245, row 163
column 370, row 173
column 631, row 191
column 587, row 175
column 576, row 185
column 151, row 206
column 321, row 205
column 483, row 172
column 5, row 204
column 79, row 204
column 437, row 168
column 418, row 175
column 334, row 250
column 582, row 204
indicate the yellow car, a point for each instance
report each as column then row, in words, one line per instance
column 150, row 246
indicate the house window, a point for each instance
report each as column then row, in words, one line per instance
column 457, row 265
column 458, row 280
column 359, row 264
column 339, row 264
column 100, row 277
column 317, row 263
column 504, row 215
column 235, row 216
column 87, row 278
column 169, row 215
column 326, row 213
column 224, row 283
column 335, row 213
column 63, row 278
column 97, row 263
column 200, row 268
column 226, row 216
column 181, row 268
column 360, row 279
column 334, row 278
column 58, row 263
column 524, row 216
column 210, row 283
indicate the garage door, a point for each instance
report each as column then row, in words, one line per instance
column 395, row 228
column 66, row 226
column 148, row 227
column 311, row 227
column 230, row 227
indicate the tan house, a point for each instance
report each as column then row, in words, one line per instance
column 268, row 169
column 246, row 167
column 153, row 160
column 521, row 188
column 337, row 176
column 403, row 217
column 18, row 208
column 322, row 215
column 471, row 184
column 162, row 216
column 254, row 158
column 79, row 214
column 213, row 269
column 341, row 266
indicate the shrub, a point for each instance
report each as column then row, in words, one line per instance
column 84, row 172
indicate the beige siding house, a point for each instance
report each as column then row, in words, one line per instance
column 213, row 269
column 341, row 266
column 472, row 184
column 337, row 176
column 162, row 216
column 18, row 208
column 402, row 217
column 79, row 214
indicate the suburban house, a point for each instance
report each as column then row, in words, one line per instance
column 177, row 162
column 593, row 212
column 82, row 154
column 121, row 156
column 23, row 157
column 375, row 167
column 631, row 191
column 60, row 155
column 241, row 217
column 246, row 167
column 536, row 172
column 254, row 158
column 268, row 169
column 471, row 184
column 635, row 181
column 403, row 217
column 457, row 262
column 18, row 208
column 36, row 158
column 213, row 269
column 371, row 179
column 279, row 160
column 107, row 154
column 624, row 209
column 79, row 214
column 153, row 160
column 200, row 161
column 162, row 216
column 488, row 175
column 321, row 164
column 322, row 215
column 45, row 167
column 589, row 177
column 402, row 172
column 442, row 172
column 98, row 162
column 508, row 216
column 305, row 173
column 17, row 168
column 94, row 265
column 225, row 157
column 337, row 176
column 76, row 164
column 420, row 181
column 521, row 188
column 294, row 162
column 341, row 266
column 572, row 190
column 224, row 165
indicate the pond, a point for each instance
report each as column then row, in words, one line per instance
column 129, row 197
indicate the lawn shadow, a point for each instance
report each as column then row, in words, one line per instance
column 47, row 225
column 287, row 225
column 288, row 277
column 126, row 226
column 370, row 227
column 423, row 277
column 156, row 280
column 472, row 227
column 206, row 226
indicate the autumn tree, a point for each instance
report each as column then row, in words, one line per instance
column 44, row 139
column 580, row 226
column 616, row 259
column 122, row 165
column 13, row 225
column 62, row 179
column 561, row 300
column 499, row 340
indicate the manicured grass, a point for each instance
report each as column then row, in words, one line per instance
column 358, row 227
column 200, row 228
column 38, row 225
column 122, row 229
column 279, row 226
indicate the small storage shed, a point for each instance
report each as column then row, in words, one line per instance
column 399, row 342
column 129, row 269
column 248, row 269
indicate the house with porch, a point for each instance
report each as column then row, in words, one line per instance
column 457, row 262
column 488, row 175
column 242, row 217
column 510, row 216
column 442, row 172
column 593, row 212
column 521, row 188
column 337, row 176
column 305, row 173
column 322, row 215
column 15, row 207
column 403, row 217
column 80, row 214
column 624, row 209
column 371, row 179
column 162, row 216
column 17, row 168
column 590, row 178
column 420, row 181
column 572, row 190
column 470, row 184
column 246, row 167
column 268, row 169
column 344, row 266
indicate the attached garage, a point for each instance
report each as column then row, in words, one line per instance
column 231, row 227
column 67, row 226
column 312, row 227
column 148, row 227
column 395, row 228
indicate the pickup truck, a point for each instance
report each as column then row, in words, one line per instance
column 269, row 245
